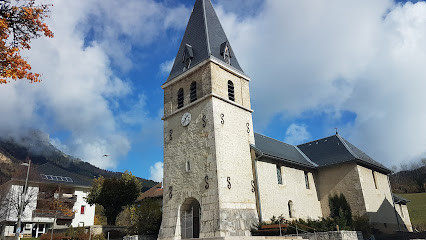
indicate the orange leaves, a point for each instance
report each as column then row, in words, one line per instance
column 19, row 23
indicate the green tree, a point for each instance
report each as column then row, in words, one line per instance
column 340, row 211
column 114, row 193
column 146, row 217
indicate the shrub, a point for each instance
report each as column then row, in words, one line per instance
column 56, row 236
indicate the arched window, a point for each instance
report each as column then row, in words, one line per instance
column 231, row 94
column 193, row 92
column 180, row 98
column 290, row 209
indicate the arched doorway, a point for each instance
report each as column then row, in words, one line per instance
column 190, row 218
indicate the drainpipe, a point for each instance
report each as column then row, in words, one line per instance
column 393, row 203
column 257, row 187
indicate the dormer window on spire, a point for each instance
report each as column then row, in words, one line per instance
column 225, row 52
column 187, row 57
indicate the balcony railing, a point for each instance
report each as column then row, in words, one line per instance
column 41, row 213
column 63, row 197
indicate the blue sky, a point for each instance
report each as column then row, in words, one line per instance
column 355, row 65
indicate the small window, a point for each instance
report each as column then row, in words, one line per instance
column 307, row 180
column 83, row 209
column 290, row 209
column 188, row 166
column 231, row 94
column 374, row 179
column 180, row 98
column 279, row 176
column 193, row 92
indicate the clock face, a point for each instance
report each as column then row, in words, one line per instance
column 186, row 119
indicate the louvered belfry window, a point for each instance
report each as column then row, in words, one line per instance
column 180, row 98
column 231, row 94
column 193, row 92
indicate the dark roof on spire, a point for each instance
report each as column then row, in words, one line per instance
column 205, row 35
column 335, row 150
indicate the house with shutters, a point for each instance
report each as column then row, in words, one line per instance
column 55, row 198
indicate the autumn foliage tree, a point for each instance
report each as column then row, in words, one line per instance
column 20, row 21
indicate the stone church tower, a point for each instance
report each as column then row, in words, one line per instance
column 208, row 174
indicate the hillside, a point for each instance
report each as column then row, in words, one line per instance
column 36, row 144
column 412, row 181
column 417, row 209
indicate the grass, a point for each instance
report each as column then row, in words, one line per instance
column 416, row 208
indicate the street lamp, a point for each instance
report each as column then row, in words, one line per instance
column 21, row 207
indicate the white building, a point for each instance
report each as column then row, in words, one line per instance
column 48, row 186
column 221, row 178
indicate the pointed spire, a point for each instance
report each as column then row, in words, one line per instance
column 204, row 38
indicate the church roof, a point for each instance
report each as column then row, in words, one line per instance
column 272, row 148
column 204, row 38
column 335, row 150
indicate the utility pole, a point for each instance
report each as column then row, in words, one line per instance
column 24, row 194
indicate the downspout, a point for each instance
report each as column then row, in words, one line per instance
column 259, row 206
column 393, row 203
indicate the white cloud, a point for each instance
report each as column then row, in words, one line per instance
column 166, row 67
column 157, row 172
column 79, row 93
column 330, row 56
column 296, row 134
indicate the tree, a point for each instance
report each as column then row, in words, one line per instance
column 11, row 200
column 20, row 21
column 114, row 193
column 146, row 217
column 340, row 211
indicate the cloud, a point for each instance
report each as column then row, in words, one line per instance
column 166, row 67
column 80, row 94
column 358, row 56
column 157, row 172
column 296, row 134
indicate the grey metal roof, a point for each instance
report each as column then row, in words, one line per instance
column 399, row 200
column 272, row 148
column 334, row 150
column 49, row 169
column 205, row 35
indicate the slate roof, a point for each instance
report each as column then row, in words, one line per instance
column 399, row 200
column 334, row 150
column 272, row 148
column 205, row 35
column 38, row 173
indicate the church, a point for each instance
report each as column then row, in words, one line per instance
column 221, row 178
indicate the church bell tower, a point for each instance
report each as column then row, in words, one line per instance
column 208, row 177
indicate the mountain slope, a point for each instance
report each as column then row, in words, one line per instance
column 412, row 181
column 36, row 145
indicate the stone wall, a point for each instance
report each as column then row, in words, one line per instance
column 341, row 235
column 342, row 178
column 216, row 146
column 378, row 200
column 274, row 197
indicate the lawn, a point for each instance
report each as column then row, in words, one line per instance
column 417, row 207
